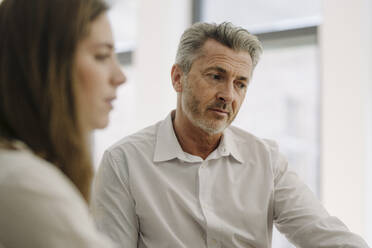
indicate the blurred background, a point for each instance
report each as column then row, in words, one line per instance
column 311, row 91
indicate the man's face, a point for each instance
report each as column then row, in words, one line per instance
column 215, row 87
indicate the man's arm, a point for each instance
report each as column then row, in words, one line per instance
column 112, row 205
column 302, row 218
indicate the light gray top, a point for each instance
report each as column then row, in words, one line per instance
column 150, row 193
column 40, row 207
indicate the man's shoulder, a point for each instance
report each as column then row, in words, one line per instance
column 244, row 138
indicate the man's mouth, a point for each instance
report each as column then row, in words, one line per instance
column 220, row 111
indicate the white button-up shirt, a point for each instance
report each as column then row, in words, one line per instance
column 150, row 193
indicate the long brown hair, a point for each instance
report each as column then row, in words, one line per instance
column 38, row 42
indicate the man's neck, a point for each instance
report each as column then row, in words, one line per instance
column 194, row 140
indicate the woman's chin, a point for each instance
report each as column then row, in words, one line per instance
column 100, row 124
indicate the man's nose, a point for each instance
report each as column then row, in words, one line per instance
column 225, row 92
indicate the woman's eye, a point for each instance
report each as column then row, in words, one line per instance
column 102, row 57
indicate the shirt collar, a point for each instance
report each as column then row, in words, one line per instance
column 228, row 146
column 167, row 146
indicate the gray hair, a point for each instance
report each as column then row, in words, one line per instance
column 236, row 38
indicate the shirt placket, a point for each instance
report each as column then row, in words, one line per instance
column 204, row 199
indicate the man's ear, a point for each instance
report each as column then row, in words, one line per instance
column 177, row 75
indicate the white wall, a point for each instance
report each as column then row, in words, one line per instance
column 148, row 96
column 368, row 177
column 345, row 41
column 160, row 25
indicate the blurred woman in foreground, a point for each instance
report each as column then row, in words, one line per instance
column 58, row 78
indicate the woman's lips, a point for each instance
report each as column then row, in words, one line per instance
column 109, row 101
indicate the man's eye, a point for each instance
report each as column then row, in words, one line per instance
column 241, row 85
column 215, row 76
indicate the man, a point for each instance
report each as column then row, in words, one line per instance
column 192, row 180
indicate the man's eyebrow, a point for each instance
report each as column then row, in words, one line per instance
column 216, row 68
column 241, row 78
column 220, row 69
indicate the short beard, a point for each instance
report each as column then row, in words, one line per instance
column 191, row 108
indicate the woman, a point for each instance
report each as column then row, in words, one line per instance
column 58, row 78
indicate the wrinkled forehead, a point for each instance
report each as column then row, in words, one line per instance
column 213, row 53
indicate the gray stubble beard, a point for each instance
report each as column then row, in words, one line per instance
column 191, row 108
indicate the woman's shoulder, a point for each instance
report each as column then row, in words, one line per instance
column 40, row 183
column 21, row 168
column 37, row 198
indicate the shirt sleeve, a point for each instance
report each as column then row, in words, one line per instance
column 113, row 206
column 301, row 217
column 40, row 208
